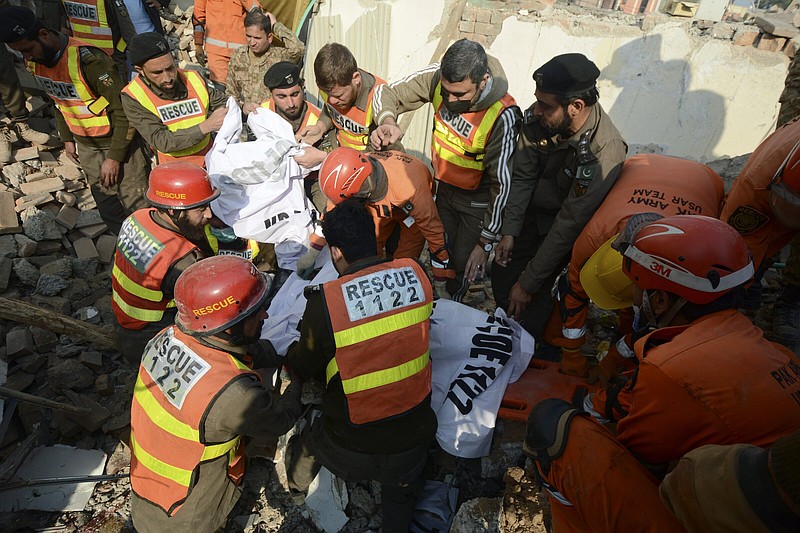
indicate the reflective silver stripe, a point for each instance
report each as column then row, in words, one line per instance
column 557, row 495
column 223, row 44
column 573, row 333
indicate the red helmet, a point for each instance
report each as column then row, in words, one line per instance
column 786, row 182
column 343, row 173
column 179, row 185
column 216, row 293
column 695, row 257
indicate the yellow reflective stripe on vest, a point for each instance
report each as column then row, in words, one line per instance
column 134, row 288
column 137, row 90
column 145, row 315
column 380, row 377
column 376, row 328
column 169, row 424
column 178, row 475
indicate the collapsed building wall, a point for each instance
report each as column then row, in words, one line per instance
column 667, row 87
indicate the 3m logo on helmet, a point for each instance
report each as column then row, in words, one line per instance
column 171, row 195
column 207, row 310
column 661, row 269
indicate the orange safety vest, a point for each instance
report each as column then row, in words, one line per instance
column 145, row 252
column 89, row 23
column 84, row 112
column 459, row 141
column 177, row 114
column 309, row 119
column 179, row 379
column 352, row 128
column 380, row 318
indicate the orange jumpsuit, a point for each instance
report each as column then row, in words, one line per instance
column 747, row 206
column 716, row 381
column 409, row 204
column 648, row 183
column 224, row 31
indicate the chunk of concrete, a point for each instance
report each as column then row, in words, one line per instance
column 326, row 501
column 60, row 267
column 106, row 246
column 779, row 26
column 26, row 272
column 93, row 360
column 32, row 200
column 66, row 198
column 95, row 418
column 95, row 230
column 8, row 246
column 50, row 285
column 19, row 342
column 104, row 385
column 26, row 154
column 42, row 185
column 44, row 339
column 478, row 516
column 26, row 246
column 57, row 304
column 723, row 31
column 49, row 462
column 39, row 225
column 88, row 218
column 15, row 173
column 70, row 375
column 68, row 216
column 6, row 266
column 9, row 220
column 85, row 248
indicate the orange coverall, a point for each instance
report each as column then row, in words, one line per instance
column 648, row 183
column 716, row 381
column 224, row 31
column 747, row 206
column 409, row 204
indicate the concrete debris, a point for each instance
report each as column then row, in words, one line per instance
column 326, row 501
column 26, row 246
column 19, row 342
column 70, row 375
column 50, row 285
column 481, row 515
column 6, row 265
column 51, row 462
column 26, row 272
column 60, row 267
column 39, row 225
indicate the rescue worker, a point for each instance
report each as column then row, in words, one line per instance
column 568, row 157
column 737, row 488
column 705, row 375
column 475, row 126
column 764, row 206
column 646, row 184
column 111, row 24
column 288, row 100
column 347, row 92
column 197, row 398
column 219, row 32
column 376, row 422
column 85, row 85
column 396, row 188
column 250, row 63
column 155, row 246
column 172, row 108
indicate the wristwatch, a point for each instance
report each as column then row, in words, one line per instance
column 487, row 246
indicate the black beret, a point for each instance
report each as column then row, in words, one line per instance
column 145, row 46
column 282, row 75
column 16, row 23
column 566, row 75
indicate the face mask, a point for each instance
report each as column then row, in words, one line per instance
column 637, row 319
column 225, row 234
column 458, row 106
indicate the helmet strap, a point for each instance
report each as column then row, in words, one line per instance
column 665, row 319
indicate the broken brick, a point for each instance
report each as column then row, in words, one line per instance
column 41, row 186
column 68, row 216
column 106, row 246
column 9, row 220
column 85, row 249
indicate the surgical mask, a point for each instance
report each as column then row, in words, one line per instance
column 225, row 234
column 637, row 319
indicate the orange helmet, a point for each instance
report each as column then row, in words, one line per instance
column 179, row 185
column 695, row 257
column 343, row 173
column 786, row 182
column 215, row 293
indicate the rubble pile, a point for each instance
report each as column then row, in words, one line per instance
column 180, row 32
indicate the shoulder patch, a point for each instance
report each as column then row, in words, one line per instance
column 746, row 219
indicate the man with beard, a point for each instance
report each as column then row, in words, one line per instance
column 568, row 156
column 85, row 85
column 475, row 126
column 155, row 246
column 289, row 102
column 173, row 109
column 197, row 397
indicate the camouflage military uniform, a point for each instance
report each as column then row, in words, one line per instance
column 246, row 72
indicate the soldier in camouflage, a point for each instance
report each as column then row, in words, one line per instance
column 250, row 63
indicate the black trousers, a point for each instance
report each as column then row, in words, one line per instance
column 400, row 474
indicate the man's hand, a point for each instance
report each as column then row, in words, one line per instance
column 272, row 19
column 502, row 252
column 200, row 53
column 71, row 151
column 476, row 264
column 214, row 122
column 310, row 157
column 249, row 107
column 305, row 265
column 311, row 134
column 109, row 173
column 385, row 135
column 518, row 301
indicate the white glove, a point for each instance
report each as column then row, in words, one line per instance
column 305, row 265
